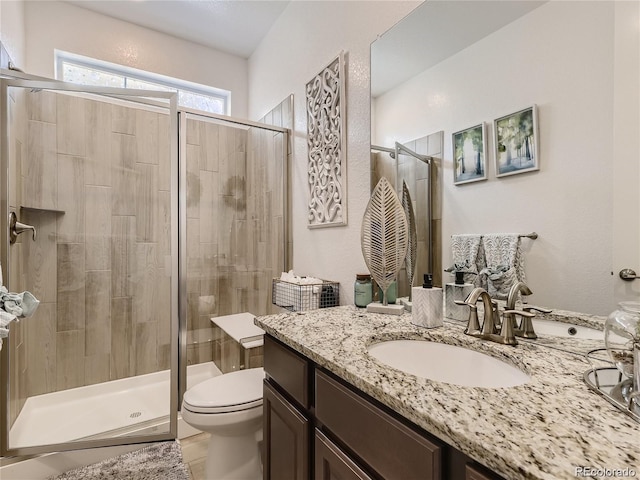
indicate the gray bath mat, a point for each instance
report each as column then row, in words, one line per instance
column 161, row 461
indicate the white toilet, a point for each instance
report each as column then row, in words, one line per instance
column 229, row 407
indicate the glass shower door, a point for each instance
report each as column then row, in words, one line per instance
column 94, row 172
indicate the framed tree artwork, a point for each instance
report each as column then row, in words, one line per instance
column 516, row 142
column 469, row 155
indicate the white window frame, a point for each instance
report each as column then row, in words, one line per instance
column 62, row 57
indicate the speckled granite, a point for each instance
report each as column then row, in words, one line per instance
column 541, row 430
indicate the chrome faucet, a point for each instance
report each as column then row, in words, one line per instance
column 489, row 330
column 525, row 329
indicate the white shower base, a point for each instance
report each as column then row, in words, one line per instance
column 110, row 409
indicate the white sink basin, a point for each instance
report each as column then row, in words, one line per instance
column 566, row 330
column 448, row 364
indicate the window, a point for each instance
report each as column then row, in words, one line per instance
column 88, row 71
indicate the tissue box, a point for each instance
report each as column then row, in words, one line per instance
column 298, row 298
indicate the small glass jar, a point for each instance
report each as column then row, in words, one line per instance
column 392, row 293
column 363, row 290
column 621, row 332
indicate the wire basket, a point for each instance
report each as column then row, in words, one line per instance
column 299, row 298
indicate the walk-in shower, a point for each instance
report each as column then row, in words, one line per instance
column 149, row 223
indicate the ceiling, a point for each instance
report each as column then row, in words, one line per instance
column 232, row 26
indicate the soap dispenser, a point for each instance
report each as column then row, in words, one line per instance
column 427, row 304
column 459, row 290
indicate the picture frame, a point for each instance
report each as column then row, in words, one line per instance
column 469, row 148
column 516, row 142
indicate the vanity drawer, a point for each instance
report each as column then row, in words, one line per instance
column 288, row 369
column 388, row 446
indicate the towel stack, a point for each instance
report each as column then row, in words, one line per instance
column 496, row 258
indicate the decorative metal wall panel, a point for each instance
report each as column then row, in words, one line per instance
column 326, row 140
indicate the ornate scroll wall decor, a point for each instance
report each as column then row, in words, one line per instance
column 326, row 140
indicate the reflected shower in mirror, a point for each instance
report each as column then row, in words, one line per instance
column 417, row 165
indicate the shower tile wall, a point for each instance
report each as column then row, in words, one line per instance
column 415, row 174
column 235, row 243
column 95, row 183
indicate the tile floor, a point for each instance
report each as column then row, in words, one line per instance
column 194, row 454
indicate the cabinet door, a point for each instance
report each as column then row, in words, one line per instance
column 479, row 473
column 286, row 438
column 331, row 463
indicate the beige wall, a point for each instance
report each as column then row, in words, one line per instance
column 306, row 37
column 51, row 25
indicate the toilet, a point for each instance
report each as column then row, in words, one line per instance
column 229, row 408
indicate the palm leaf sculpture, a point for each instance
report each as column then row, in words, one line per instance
column 384, row 235
column 412, row 248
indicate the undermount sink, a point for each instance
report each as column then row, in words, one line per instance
column 566, row 330
column 448, row 363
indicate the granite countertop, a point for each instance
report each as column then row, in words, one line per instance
column 544, row 429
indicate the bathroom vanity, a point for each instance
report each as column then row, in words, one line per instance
column 332, row 410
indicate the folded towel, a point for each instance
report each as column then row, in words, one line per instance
column 504, row 263
column 466, row 250
column 21, row 305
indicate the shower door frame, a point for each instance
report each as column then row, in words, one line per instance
column 9, row 78
column 183, row 114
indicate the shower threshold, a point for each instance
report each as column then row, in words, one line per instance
column 129, row 406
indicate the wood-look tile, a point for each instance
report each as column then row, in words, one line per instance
column 223, row 146
column 69, row 359
column 41, row 173
column 146, row 207
column 209, row 276
column 208, row 206
column 210, row 146
column 192, row 318
column 122, row 346
column 195, row 447
column 146, row 275
column 70, row 118
column 98, row 312
column 123, row 241
column 41, row 106
column 97, row 227
column 123, row 162
column 41, row 350
column 97, row 369
column 164, row 225
column 123, row 119
column 147, row 136
column 71, row 199
column 162, row 308
column 71, row 287
column 193, row 132
column 194, row 265
column 146, row 359
column 164, row 152
column 98, row 168
column 193, row 181
column 41, row 268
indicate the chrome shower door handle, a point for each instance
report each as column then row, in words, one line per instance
column 628, row 274
column 16, row 228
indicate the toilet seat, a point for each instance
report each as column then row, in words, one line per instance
column 230, row 392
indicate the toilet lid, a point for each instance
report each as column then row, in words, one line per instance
column 231, row 392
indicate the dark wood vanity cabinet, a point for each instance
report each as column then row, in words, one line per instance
column 316, row 426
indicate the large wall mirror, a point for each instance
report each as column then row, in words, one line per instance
column 453, row 65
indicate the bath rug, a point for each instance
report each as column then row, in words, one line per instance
column 160, row 461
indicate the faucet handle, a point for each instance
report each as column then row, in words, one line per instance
column 473, row 325
column 526, row 326
column 528, row 308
